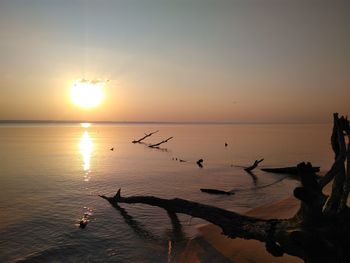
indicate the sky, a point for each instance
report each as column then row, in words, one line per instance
column 177, row 60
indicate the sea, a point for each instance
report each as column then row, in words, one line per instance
column 51, row 176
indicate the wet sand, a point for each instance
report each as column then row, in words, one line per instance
column 212, row 246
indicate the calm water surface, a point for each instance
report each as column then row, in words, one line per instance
column 50, row 176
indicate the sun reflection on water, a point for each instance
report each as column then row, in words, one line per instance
column 86, row 148
column 85, row 125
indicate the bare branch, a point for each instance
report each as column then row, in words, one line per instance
column 255, row 164
column 232, row 224
column 156, row 145
column 273, row 232
column 146, row 136
column 291, row 170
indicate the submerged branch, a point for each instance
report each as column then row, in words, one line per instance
column 216, row 191
column 252, row 167
column 146, row 136
column 156, row 145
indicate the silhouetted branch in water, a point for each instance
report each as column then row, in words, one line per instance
column 255, row 164
column 293, row 170
column 160, row 149
column 255, row 179
column 320, row 230
column 176, row 237
column 259, row 187
column 156, row 145
column 139, row 229
column 136, row 226
column 157, row 148
column 216, row 191
column 146, row 136
column 212, row 214
column 177, row 231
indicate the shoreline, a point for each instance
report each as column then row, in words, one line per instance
column 212, row 246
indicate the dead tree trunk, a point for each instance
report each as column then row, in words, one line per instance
column 319, row 232
column 144, row 137
column 252, row 227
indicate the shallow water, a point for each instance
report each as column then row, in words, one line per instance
column 50, row 176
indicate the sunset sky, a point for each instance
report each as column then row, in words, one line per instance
column 190, row 60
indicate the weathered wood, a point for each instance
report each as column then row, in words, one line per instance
column 329, row 176
column 243, row 226
column 333, row 203
column 144, row 137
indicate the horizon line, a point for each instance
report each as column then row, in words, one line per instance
column 10, row 121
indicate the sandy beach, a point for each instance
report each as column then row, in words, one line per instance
column 212, row 246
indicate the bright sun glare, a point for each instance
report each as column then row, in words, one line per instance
column 87, row 93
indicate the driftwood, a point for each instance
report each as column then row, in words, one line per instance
column 293, row 170
column 216, row 191
column 252, row 167
column 320, row 230
column 144, row 137
column 156, row 145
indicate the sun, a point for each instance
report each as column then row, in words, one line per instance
column 87, row 93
